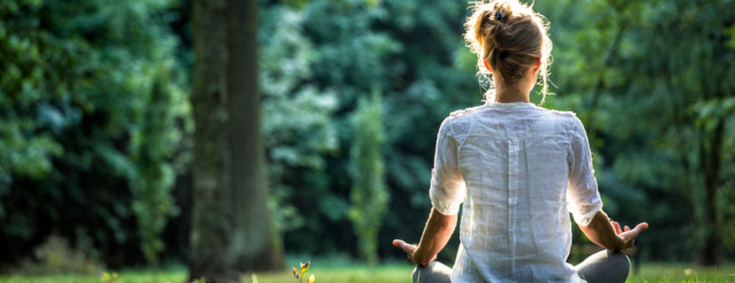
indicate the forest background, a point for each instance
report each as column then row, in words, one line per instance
column 97, row 127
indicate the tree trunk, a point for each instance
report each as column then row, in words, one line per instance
column 711, row 253
column 256, row 244
column 231, row 228
column 211, row 231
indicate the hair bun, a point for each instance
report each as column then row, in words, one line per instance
column 509, row 38
column 502, row 11
column 500, row 16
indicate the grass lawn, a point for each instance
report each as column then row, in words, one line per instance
column 390, row 273
column 676, row 272
column 131, row 276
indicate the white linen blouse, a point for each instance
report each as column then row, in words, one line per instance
column 519, row 169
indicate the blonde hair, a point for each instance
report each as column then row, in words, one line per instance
column 510, row 36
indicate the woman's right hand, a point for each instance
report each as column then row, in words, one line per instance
column 627, row 236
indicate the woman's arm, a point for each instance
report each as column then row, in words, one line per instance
column 609, row 235
column 438, row 231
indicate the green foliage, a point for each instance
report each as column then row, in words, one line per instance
column 297, row 116
column 649, row 82
column 340, row 51
column 369, row 195
column 152, row 153
column 94, row 118
column 84, row 84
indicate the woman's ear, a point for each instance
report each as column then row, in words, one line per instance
column 487, row 65
column 537, row 65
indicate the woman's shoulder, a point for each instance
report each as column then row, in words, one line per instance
column 463, row 112
column 568, row 120
column 569, row 117
column 458, row 121
column 461, row 116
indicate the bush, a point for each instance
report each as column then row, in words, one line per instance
column 56, row 256
column 92, row 114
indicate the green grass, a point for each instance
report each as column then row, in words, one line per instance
column 390, row 273
column 393, row 273
column 129, row 276
column 678, row 273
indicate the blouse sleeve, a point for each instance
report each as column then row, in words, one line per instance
column 583, row 198
column 447, row 190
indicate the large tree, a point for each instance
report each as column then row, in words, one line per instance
column 254, row 230
column 231, row 230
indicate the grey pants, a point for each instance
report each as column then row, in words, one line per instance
column 602, row 267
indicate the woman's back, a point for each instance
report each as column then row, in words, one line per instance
column 519, row 169
column 511, row 163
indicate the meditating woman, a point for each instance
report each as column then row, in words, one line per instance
column 519, row 169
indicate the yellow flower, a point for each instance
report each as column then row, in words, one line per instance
column 311, row 279
column 305, row 267
column 296, row 273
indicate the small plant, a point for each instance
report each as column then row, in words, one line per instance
column 300, row 273
column 109, row 277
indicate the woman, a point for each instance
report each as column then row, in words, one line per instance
column 519, row 169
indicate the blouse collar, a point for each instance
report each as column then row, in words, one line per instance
column 509, row 104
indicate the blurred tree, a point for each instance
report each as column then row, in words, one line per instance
column 656, row 71
column 211, row 227
column 297, row 122
column 155, row 176
column 81, row 152
column 369, row 195
column 319, row 57
column 254, row 233
column 325, row 55
column 231, row 228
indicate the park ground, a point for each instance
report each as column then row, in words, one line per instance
column 384, row 273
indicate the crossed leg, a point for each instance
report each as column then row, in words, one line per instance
column 435, row 272
column 602, row 267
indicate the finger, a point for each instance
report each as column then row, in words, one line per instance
column 626, row 228
column 631, row 234
column 616, row 227
column 640, row 227
column 408, row 248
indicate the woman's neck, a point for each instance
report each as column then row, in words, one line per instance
column 517, row 91
column 514, row 93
